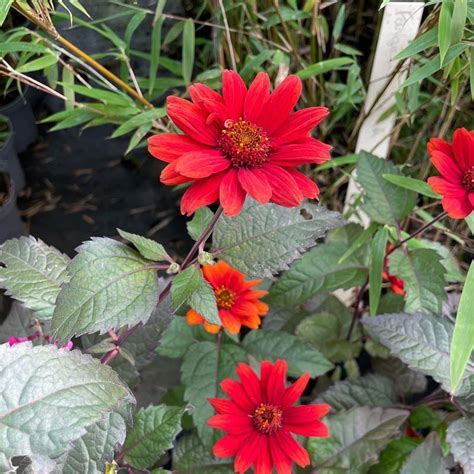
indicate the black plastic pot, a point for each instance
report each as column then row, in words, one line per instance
column 23, row 121
column 10, row 222
column 9, row 161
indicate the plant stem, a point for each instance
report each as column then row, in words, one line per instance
column 106, row 358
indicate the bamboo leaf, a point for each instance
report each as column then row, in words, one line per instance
column 444, row 30
column 324, row 66
column 188, row 50
column 379, row 244
column 421, row 187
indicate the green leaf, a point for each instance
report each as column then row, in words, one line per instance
column 471, row 84
column 427, row 458
column 444, row 30
column 148, row 248
column 92, row 451
column 155, row 52
column 324, row 66
column 463, row 336
column 470, row 221
column 33, row 273
column 38, row 64
column 132, row 26
column 362, row 238
column 138, row 136
column 111, row 286
column 68, row 81
column 357, row 436
column 188, row 50
column 191, row 456
column 108, row 97
column 204, row 302
column 422, row 341
column 394, row 455
column 460, row 435
column 4, row 9
column 273, row 345
column 153, row 432
column 424, row 418
column 327, row 332
column 185, row 284
column 71, row 118
column 458, row 20
column 424, row 41
column 384, row 202
column 203, row 369
column 318, row 270
column 424, row 278
column 265, row 238
column 20, row 46
column 19, row 323
column 142, row 118
column 371, row 390
column 421, row 187
column 48, row 397
column 433, row 65
column 379, row 245
column 201, row 219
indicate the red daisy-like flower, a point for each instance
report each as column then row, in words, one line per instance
column 238, row 304
column 243, row 142
column 455, row 162
column 397, row 285
column 259, row 420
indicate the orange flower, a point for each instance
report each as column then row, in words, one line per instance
column 237, row 303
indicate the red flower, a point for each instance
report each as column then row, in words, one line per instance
column 237, row 303
column 259, row 420
column 243, row 142
column 455, row 162
column 397, row 285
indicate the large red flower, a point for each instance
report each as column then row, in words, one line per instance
column 237, row 302
column 259, row 420
column 243, row 142
column 455, row 162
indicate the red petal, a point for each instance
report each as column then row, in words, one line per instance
column 250, row 382
column 191, row 119
column 228, row 445
column 292, row 448
column 170, row 176
column 303, row 414
column 208, row 98
column 232, row 424
column 234, row 92
column 258, row 94
column 440, row 145
column 169, row 146
column 230, row 322
column 256, row 184
column 280, row 460
column 279, row 105
column 201, row 193
column 276, row 382
column 446, row 166
column 307, row 186
column 294, row 392
column 463, row 147
column 285, row 191
column 231, row 194
column 457, row 208
column 225, row 407
column 299, row 124
column 312, row 428
column 243, row 308
column 263, row 464
column 308, row 150
column 238, row 395
column 199, row 164
column 248, row 453
column 471, row 199
column 448, row 189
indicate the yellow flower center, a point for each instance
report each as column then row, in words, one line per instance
column 268, row 418
column 224, row 297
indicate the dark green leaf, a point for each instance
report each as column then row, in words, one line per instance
column 426, row 458
column 379, row 245
column 460, row 436
column 148, row 248
column 201, row 219
column 421, row 187
column 188, row 50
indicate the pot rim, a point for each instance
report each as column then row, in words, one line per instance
column 11, row 135
column 19, row 101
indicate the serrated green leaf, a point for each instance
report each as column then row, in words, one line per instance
column 424, row 41
column 49, row 397
column 357, row 436
column 148, row 248
column 426, row 458
column 421, row 187
column 422, row 341
column 362, row 238
column 460, row 435
column 324, row 66
column 379, row 245
column 188, row 50
column 273, row 345
column 318, row 270
column 204, row 303
column 444, row 30
column 33, row 273
column 191, row 456
column 111, row 287
column 201, row 219
column 203, row 369
column 185, row 284
column 424, row 278
column 327, row 331
column 463, row 336
column 394, row 455
column 384, row 202
column 154, row 430
column 265, row 238
column 90, row 453
column 371, row 390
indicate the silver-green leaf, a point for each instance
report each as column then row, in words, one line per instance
column 460, row 437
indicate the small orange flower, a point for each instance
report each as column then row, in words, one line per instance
column 397, row 285
column 237, row 303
